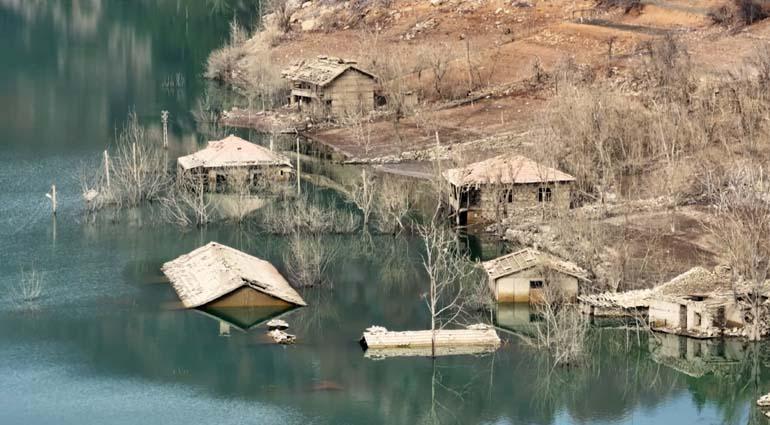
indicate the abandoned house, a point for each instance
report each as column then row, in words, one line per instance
column 503, row 186
column 699, row 302
column 218, row 276
column 530, row 276
column 330, row 87
column 233, row 157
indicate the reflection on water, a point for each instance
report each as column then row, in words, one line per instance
column 106, row 343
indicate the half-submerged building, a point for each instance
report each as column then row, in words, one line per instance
column 700, row 303
column 529, row 276
column 328, row 87
column 216, row 275
column 231, row 157
column 503, row 186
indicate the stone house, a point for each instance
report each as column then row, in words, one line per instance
column 698, row 302
column 505, row 186
column 231, row 156
column 528, row 275
column 328, row 87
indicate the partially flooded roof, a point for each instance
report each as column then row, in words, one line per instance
column 321, row 70
column 232, row 151
column 505, row 169
column 215, row 270
column 528, row 258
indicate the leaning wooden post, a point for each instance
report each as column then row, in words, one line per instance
column 107, row 167
column 164, row 119
column 299, row 190
column 52, row 197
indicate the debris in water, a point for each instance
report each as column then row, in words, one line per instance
column 277, row 324
column 281, row 337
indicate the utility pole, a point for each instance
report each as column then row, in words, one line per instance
column 164, row 119
column 52, row 197
column 299, row 190
column 107, row 167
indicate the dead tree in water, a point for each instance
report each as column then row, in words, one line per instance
column 362, row 194
column 447, row 271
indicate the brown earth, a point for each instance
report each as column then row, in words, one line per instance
column 504, row 40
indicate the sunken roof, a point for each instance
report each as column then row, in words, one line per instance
column 322, row 70
column 528, row 258
column 698, row 281
column 232, row 151
column 505, row 169
column 215, row 270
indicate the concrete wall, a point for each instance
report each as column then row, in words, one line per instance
column 700, row 318
column 516, row 287
column 351, row 93
column 664, row 314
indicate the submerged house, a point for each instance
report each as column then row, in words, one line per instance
column 700, row 303
column 231, row 157
column 330, row 87
column 503, row 186
column 218, row 276
column 526, row 275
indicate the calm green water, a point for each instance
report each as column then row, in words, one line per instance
column 104, row 345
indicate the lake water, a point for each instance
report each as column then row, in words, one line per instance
column 105, row 345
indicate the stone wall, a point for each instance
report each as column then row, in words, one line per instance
column 503, row 202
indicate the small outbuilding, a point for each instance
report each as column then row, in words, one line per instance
column 330, row 87
column 218, row 276
column 234, row 157
column 504, row 186
column 526, row 275
column 698, row 302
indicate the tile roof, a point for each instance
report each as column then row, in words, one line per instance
column 215, row 270
column 322, row 70
column 505, row 169
column 528, row 258
column 232, row 151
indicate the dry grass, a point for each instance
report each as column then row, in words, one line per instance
column 29, row 289
column 308, row 259
column 135, row 172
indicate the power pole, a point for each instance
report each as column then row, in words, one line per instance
column 107, row 167
column 164, row 119
column 52, row 197
column 299, row 190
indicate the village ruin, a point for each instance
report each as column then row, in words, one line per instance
column 504, row 186
column 327, row 87
column 216, row 275
column 698, row 303
column 524, row 275
column 233, row 158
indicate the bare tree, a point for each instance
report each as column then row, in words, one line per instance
column 281, row 12
column 186, row 204
column 562, row 329
column 363, row 195
column 741, row 224
column 309, row 258
column 393, row 203
column 448, row 271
